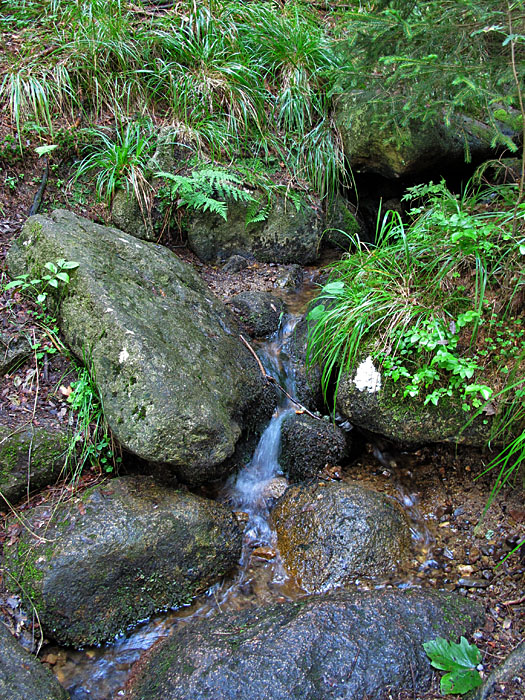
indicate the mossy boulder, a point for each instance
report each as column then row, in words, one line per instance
column 350, row 645
column 330, row 533
column 342, row 224
column 119, row 553
column 369, row 401
column 22, row 676
column 177, row 384
column 308, row 445
column 402, row 150
column 127, row 215
column 285, row 236
column 260, row 312
column 31, row 458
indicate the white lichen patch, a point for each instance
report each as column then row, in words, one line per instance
column 367, row 378
column 123, row 356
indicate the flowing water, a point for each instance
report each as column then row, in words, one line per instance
column 99, row 673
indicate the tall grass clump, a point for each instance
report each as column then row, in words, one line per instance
column 236, row 80
column 438, row 301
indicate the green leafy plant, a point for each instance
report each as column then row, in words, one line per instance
column 207, row 189
column 461, row 661
column 91, row 431
column 38, row 288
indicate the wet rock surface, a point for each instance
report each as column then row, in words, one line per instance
column 22, row 676
column 307, row 382
column 260, row 312
column 177, row 384
column 30, row 458
column 117, row 554
column 340, row 645
column 308, row 445
column 332, row 533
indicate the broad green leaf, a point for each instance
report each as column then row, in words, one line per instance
column 63, row 276
column 69, row 265
column 14, row 283
column 334, row 288
column 51, row 266
column 316, row 313
column 53, row 283
column 460, row 681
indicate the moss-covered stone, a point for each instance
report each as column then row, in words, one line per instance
column 176, row 382
column 30, row 458
column 383, row 410
column 286, row 236
column 13, row 352
column 407, row 149
column 127, row 549
column 22, row 676
column 127, row 215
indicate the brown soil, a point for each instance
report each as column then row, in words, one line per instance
column 443, row 486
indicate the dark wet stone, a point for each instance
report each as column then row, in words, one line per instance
column 307, row 382
column 308, row 445
column 261, row 312
column 342, row 645
column 33, row 453
column 235, row 263
column 177, row 384
column 330, row 533
column 22, row 676
column 122, row 551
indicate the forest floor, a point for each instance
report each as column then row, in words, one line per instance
column 442, row 484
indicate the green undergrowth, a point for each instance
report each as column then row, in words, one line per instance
column 234, row 80
column 439, row 303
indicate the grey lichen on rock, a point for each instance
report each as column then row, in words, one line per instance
column 176, row 382
column 30, row 458
column 330, row 533
column 119, row 553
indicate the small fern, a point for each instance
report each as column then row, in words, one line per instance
column 207, row 189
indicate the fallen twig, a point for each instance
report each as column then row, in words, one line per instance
column 272, row 380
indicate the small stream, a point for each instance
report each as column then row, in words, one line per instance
column 99, row 673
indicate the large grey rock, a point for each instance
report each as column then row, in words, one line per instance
column 408, row 149
column 22, row 676
column 330, row 533
column 348, row 646
column 308, row 445
column 286, row 236
column 177, row 384
column 370, row 402
column 30, row 458
column 121, row 552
